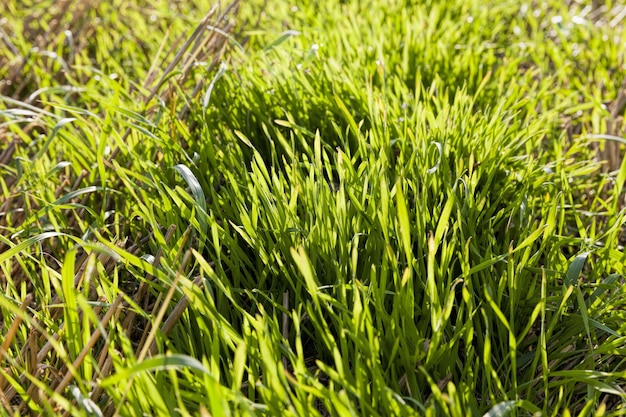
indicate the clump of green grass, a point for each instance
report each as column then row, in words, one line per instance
column 81, row 91
column 383, row 209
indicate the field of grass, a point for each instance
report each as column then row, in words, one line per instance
column 315, row 208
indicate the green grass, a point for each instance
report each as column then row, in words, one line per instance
column 371, row 208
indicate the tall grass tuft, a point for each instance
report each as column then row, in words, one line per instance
column 362, row 208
